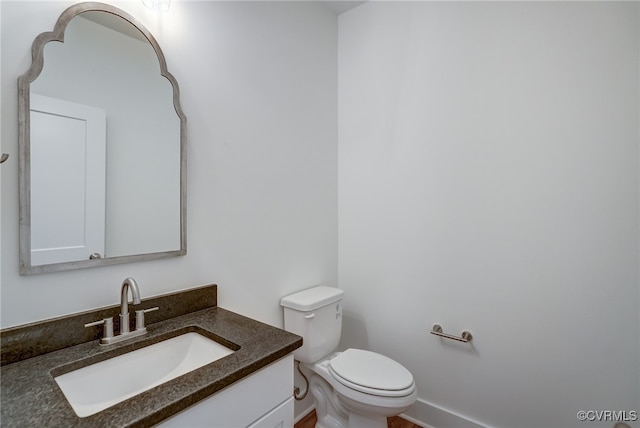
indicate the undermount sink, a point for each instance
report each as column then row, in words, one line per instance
column 92, row 389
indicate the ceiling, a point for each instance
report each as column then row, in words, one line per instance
column 339, row 7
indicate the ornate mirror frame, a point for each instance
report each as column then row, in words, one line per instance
column 24, row 143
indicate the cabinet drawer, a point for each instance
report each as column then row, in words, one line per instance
column 280, row 417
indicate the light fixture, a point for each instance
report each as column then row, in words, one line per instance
column 159, row 5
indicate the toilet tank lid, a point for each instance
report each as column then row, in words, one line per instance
column 312, row 298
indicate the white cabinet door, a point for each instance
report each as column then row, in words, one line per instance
column 68, row 161
column 244, row 403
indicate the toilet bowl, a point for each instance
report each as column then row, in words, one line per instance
column 369, row 386
column 353, row 388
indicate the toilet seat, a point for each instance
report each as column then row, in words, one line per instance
column 371, row 373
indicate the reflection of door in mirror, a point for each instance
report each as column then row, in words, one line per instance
column 67, row 152
column 107, row 63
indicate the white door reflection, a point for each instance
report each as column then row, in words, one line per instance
column 68, row 153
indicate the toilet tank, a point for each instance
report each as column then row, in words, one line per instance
column 316, row 315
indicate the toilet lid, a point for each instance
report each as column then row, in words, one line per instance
column 371, row 370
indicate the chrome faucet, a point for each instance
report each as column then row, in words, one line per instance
column 127, row 284
column 125, row 332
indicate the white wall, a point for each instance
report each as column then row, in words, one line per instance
column 258, row 86
column 1, row 152
column 488, row 180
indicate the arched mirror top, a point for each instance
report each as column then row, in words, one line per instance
column 37, row 48
column 141, row 189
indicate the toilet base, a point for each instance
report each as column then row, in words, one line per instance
column 329, row 411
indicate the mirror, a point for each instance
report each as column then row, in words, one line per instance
column 102, row 143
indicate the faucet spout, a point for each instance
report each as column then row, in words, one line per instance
column 125, row 328
column 127, row 284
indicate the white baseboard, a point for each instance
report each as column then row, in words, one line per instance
column 426, row 415
column 429, row 415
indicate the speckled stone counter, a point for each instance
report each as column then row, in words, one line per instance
column 30, row 396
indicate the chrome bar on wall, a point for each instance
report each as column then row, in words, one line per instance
column 466, row 336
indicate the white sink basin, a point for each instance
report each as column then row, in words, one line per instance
column 98, row 386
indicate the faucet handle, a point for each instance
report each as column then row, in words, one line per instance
column 140, row 317
column 107, row 326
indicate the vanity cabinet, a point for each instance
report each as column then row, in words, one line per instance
column 262, row 400
column 258, row 375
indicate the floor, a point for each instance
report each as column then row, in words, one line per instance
column 309, row 421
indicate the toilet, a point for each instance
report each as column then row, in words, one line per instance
column 353, row 388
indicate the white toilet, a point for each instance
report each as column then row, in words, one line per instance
column 354, row 388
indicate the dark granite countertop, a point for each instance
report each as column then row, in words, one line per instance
column 30, row 396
